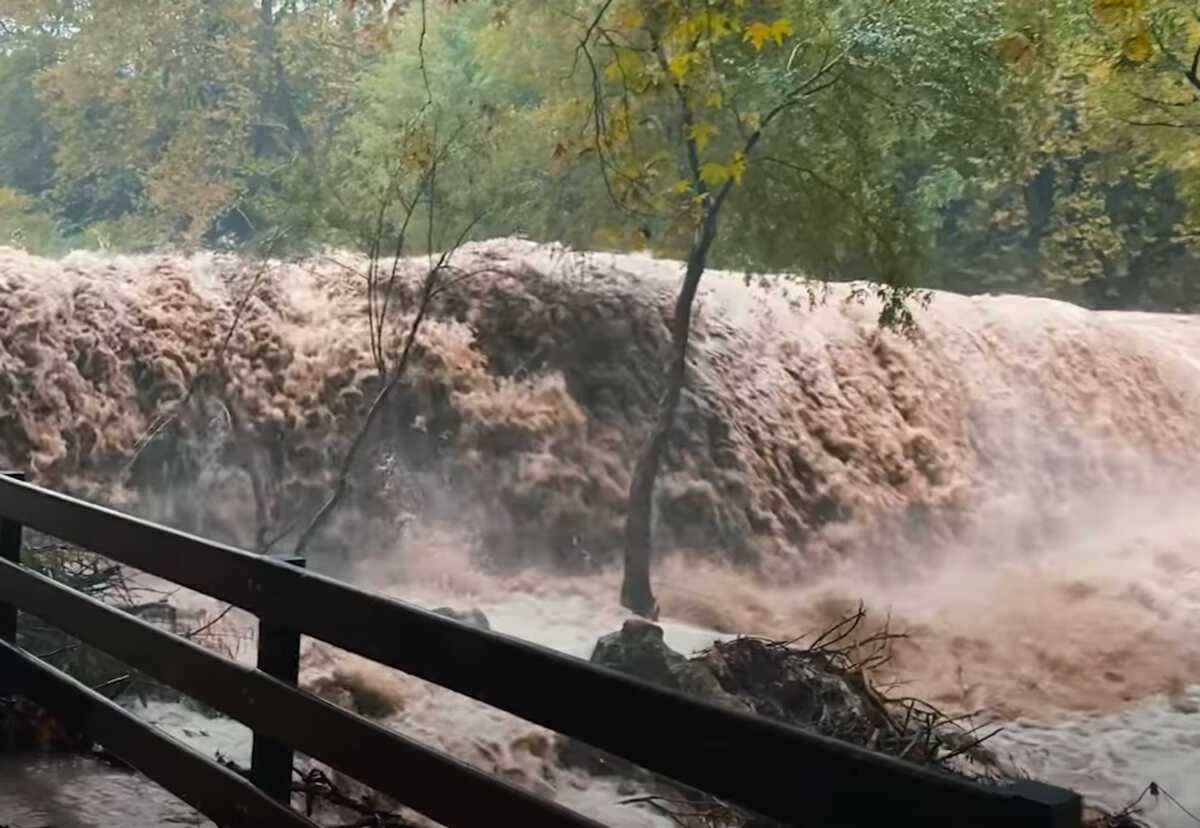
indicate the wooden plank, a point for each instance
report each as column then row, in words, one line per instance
column 449, row 791
column 10, row 550
column 216, row 792
column 730, row 754
column 278, row 656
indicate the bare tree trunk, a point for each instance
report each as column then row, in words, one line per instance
column 277, row 98
column 636, row 594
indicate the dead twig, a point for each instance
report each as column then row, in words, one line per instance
column 210, row 623
column 316, row 786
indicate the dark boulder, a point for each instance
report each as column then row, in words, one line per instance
column 638, row 649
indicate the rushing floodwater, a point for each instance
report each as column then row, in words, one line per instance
column 81, row 793
column 1110, row 758
column 1016, row 488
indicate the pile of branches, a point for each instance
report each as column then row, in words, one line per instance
column 827, row 685
column 101, row 579
column 24, row 726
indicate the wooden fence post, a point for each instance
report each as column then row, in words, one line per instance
column 278, row 656
column 1047, row 806
column 10, row 549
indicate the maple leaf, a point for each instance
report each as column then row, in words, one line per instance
column 779, row 30
column 713, row 173
column 701, row 133
column 757, row 34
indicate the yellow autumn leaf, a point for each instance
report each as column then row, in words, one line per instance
column 714, row 98
column 717, row 25
column 1018, row 50
column 625, row 65
column 737, row 167
column 631, row 17
column 682, row 186
column 678, row 64
column 713, row 173
column 607, row 236
column 757, row 34
column 751, row 120
column 681, row 31
column 1013, row 46
column 779, row 30
column 701, row 133
column 1113, row 12
column 1137, row 48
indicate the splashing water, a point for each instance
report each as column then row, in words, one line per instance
column 1014, row 486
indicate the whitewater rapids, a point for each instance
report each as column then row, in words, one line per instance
column 1015, row 485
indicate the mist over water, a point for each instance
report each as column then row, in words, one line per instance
column 1015, row 486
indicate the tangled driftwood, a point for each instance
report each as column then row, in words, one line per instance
column 824, row 684
column 827, row 685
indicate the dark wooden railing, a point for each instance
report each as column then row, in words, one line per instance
column 778, row 771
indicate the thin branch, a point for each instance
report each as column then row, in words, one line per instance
column 112, row 682
column 210, row 623
column 1159, row 102
column 316, row 785
column 686, row 116
column 844, row 195
column 218, row 358
column 1158, row 124
column 421, row 53
column 377, row 406
column 587, row 35
column 969, row 746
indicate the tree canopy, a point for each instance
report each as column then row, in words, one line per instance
column 1047, row 148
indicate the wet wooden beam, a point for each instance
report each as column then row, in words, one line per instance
column 439, row 786
column 219, row 793
column 779, row 771
column 10, row 550
column 278, row 656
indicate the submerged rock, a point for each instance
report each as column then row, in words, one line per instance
column 638, row 649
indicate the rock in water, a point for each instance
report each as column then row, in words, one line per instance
column 472, row 616
column 638, row 649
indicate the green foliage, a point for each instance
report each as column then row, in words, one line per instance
column 23, row 225
column 26, row 151
column 173, row 120
column 1048, row 148
column 1099, row 210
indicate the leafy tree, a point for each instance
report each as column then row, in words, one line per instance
column 23, row 225
column 1097, row 211
column 26, row 147
column 172, row 122
column 686, row 99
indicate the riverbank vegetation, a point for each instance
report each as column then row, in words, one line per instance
column 1042, row 148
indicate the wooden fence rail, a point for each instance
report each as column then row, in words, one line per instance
column 779, row 771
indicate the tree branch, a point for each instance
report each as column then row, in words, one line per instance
column 431, row 286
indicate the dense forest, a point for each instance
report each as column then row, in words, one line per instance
column 1047, row 148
